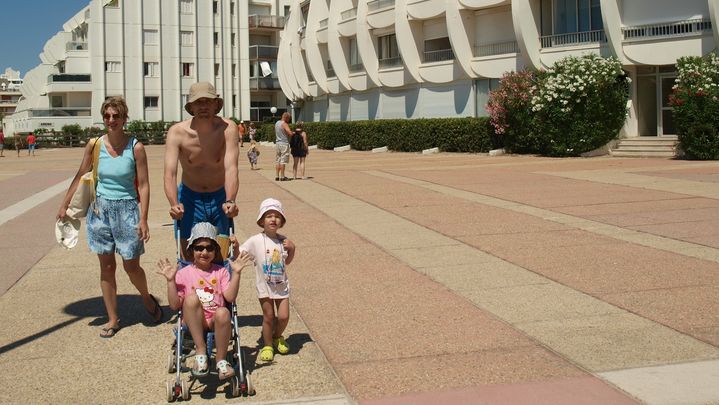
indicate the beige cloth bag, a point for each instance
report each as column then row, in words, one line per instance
column 85, row 193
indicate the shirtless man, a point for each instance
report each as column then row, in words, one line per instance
column 206, row 147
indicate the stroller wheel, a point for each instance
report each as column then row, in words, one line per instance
column 169, row 391
column 171, row 363
column 185, row 390
column 235, row 386
column 250, row 387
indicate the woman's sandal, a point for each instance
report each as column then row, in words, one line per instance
column 224, row 370
column 200, row 367
column 267, row 353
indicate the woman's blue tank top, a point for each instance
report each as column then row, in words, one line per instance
column 116, row 176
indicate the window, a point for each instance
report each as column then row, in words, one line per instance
column 113, row 67
column 150, row 37
column 151, row 69
column 217, row 69
column 214, row 7
column 484, row 87
column 216, row 38
column 152, row 102
column 234, row 70
column 188, row 69
column 355, row 62
column 388, row 51
column 569, row 16
column 187, row 6
column 233, row 37
column 232, row 7
column 187, row 38
column 234, row 101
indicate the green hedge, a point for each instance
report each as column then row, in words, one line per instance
column 473, row 135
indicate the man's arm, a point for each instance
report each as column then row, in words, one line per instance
column 232, row 154
column 172, row 154
column 286, row 128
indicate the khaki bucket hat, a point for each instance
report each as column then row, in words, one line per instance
column 202, row 90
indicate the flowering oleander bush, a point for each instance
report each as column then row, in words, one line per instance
column 580, row 104
column 510, row 112
column 695, row 100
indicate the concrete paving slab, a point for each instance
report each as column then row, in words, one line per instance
column 676, row 384
column 618, row 341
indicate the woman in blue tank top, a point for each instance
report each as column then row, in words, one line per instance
column 116, row 220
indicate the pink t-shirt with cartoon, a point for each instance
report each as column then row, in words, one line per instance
column 207, row 285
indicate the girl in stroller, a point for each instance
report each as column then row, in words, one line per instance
column 203, row 289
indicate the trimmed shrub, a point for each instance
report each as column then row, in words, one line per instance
column 695, row 100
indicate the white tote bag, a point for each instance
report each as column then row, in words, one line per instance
column 85, row 193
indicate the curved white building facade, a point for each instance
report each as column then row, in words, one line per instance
column 373, row 59
column 151, row 52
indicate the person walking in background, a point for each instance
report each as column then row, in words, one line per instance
column 242, row 130
column 31, row 144
column 2, row 143
column 206, row 147
column 252, row 155
column 252, row 132
column 298, row 144
column 116, row 222
column 18, row 143
column 282, row 146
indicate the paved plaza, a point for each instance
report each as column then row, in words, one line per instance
column 418, row 279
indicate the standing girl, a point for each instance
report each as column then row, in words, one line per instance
column 116, row 222
column 272, row 253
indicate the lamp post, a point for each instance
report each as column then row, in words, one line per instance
column 273, row 110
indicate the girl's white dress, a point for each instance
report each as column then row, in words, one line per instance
column 270, row 271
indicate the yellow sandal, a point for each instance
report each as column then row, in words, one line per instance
column 281, row 345
column 267, row 353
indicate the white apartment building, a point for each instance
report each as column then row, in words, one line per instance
column 151, row 52
column 10, row 83
column 372, row 59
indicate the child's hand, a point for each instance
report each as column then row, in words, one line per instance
column 288, row 245
column 240, row 262
column 235, row 243
column 166, row 269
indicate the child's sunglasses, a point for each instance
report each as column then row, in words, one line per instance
column 200, row 248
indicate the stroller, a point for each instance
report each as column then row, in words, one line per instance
column 183, row 347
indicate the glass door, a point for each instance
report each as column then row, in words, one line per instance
column 666, row 111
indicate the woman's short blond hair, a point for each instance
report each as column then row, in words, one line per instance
column 299, row 124
column 116, row 102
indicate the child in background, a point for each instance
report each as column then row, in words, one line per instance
column 272, row 253
column 203, row 289
column 252, row 155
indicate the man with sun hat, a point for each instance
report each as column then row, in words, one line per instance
column 206, row 147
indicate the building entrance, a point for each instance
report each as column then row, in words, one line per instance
column 654, row 86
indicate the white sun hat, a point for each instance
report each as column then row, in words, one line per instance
column 202, row 230
column 270, row 204
column 67, row 231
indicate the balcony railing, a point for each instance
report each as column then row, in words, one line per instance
column 63, row 78
column 356, row 67
column 76, row 46
column 390, row 62
column 496, row 49
column 686, row 28
column 573, row 38
column 323, row 23
column 266, row 21
column 349, row 14
column 61, row 112
column 263, row 52
column 375, row 5
column 264, row 83
column 438, row 56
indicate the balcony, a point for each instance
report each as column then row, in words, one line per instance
column 348, row 14
column 679, row 29
column 356, row 67
column 375, row 5
column 390, row 62
column 499, row 48
column 266, row 21
column 264, row 83
column 76, row 46
column 323, row 23
column 264, row 52
column 573, row 38
column 65, row 77
column 438, row 55
column 61, row 112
